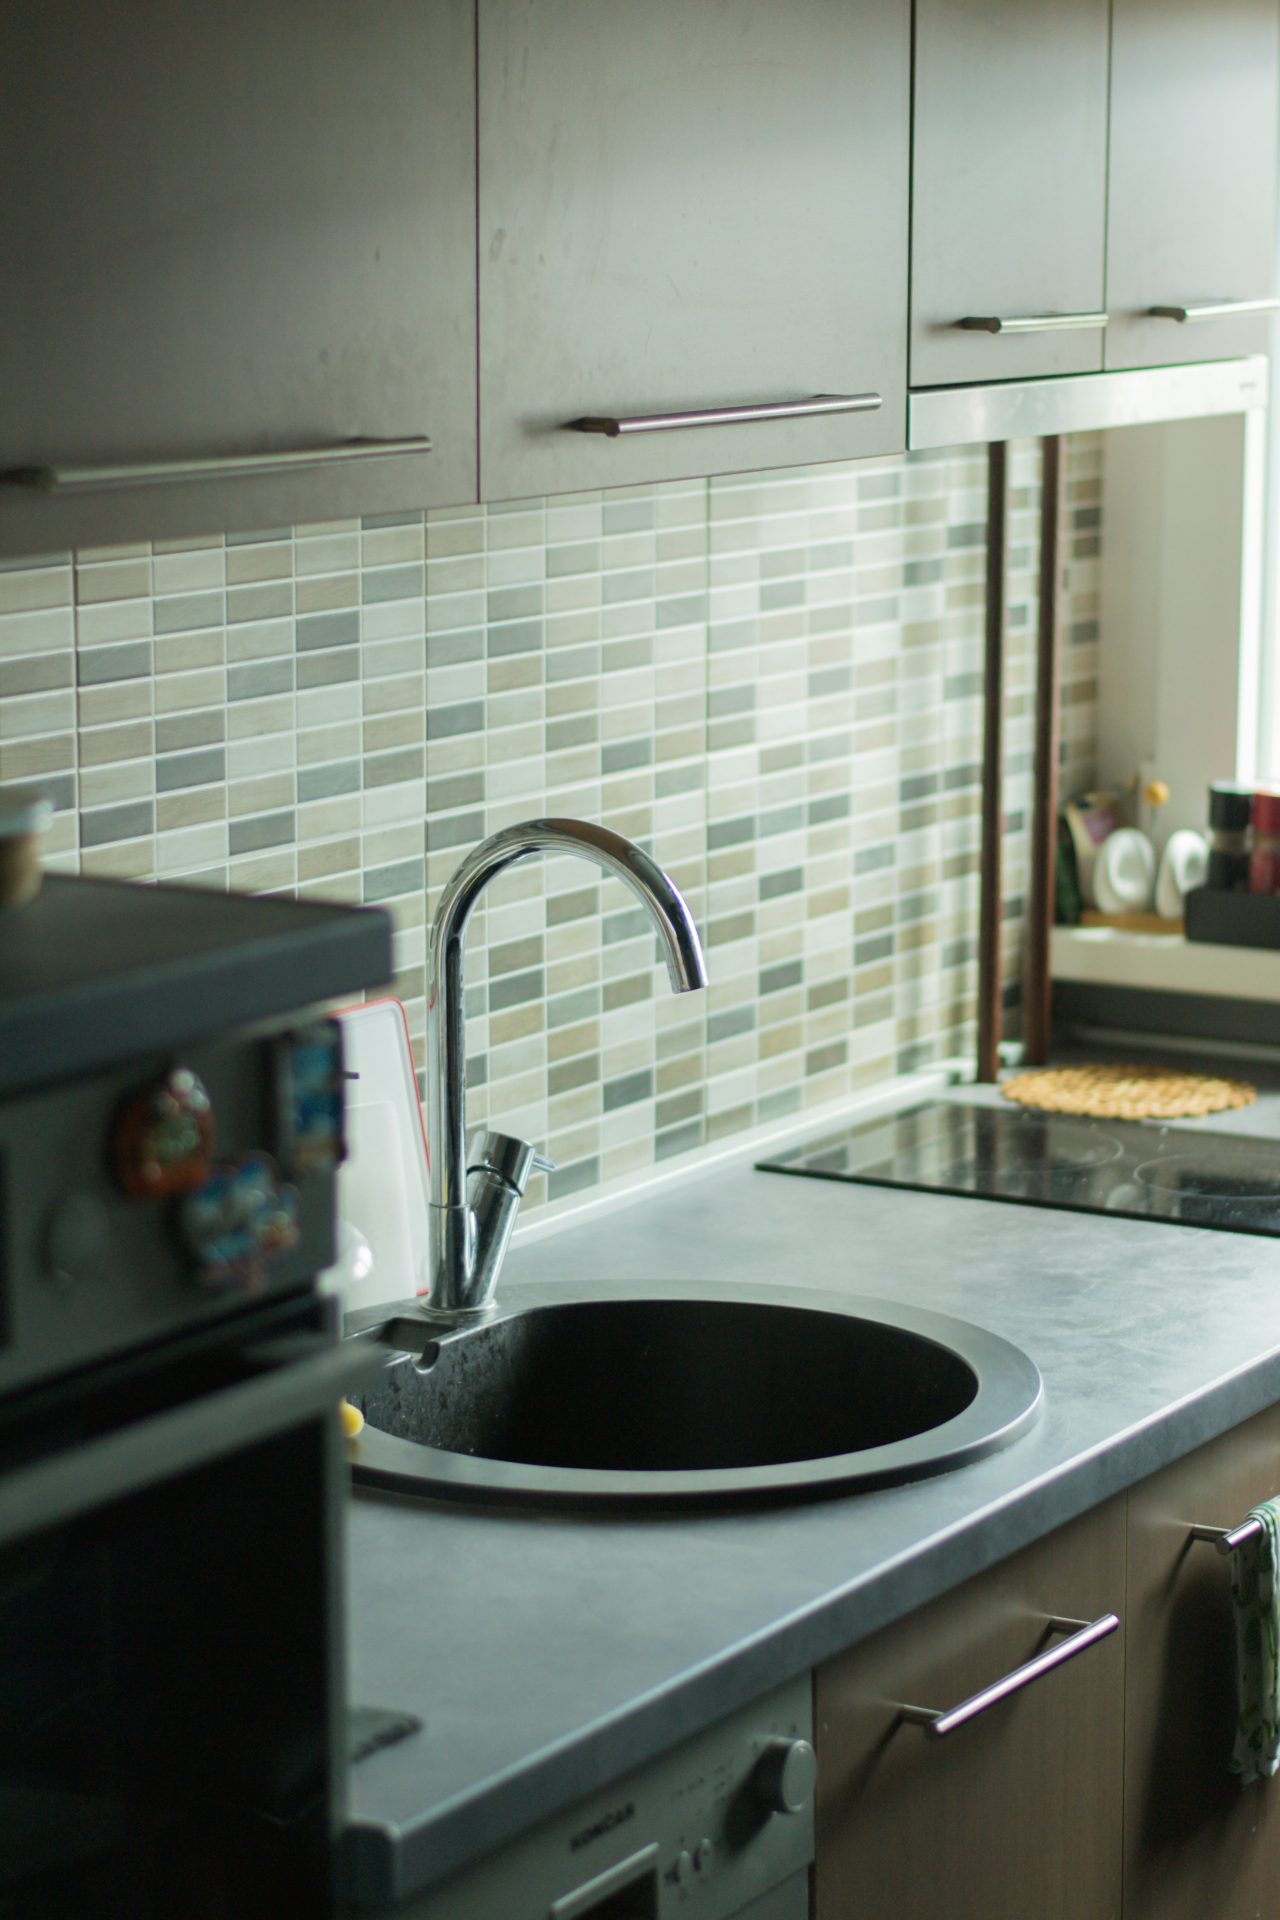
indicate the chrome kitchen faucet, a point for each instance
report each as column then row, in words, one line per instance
column 475, row 1200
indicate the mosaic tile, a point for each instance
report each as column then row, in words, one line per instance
column 773, row 681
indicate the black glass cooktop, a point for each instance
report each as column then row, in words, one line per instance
column 1139, row 1169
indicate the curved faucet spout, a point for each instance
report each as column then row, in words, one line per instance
column 467, row 1240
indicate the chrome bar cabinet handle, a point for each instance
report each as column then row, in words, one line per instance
column 615, row 425
column 1083, row 1634
column 217, row 466
column 1031, row 322
column 1228, row 1539
column 1212, row 310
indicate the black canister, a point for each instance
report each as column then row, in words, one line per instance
column 1230, row 809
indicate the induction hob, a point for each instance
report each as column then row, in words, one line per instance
column 1138, row 1169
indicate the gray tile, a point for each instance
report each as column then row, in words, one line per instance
column 332, row 668
column 185, row 612
column 679, row 1140
column 392, row 882
column 462, row 790
column 573, row 1179
column 874, row 859
column 625, row 755
column 443, row 723
column 38, row 673
column 727, row 1026
column 778, row 979
column 103, row 826
column 263, row 830
column 455, row 830
column 516, row 636
column 832, row 806
column 258, row 678
column 682, row 610
column 514, row 603
column 567, row 1009
column 324, row 783
column 177, row 731
column 455, row 649
column 392, row 583
column 98, row 666
column 516, row 990
column 390, row 769
column 200, row 769
column 625, row 1091
column 318, row 630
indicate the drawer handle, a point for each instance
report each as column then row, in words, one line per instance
column 1212, row 310
column 218, row 466
column 615, row 425
column 1228, row 1539
column 1083, row 1634
column 1031, row 322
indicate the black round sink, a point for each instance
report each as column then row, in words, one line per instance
column 665, row 1394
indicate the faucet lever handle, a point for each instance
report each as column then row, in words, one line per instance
column 507, row 1159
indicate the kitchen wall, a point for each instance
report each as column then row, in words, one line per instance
column 774, row 680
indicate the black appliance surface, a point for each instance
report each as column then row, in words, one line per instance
column 93, row 972
column 1140, row 1170
column 173, row 1732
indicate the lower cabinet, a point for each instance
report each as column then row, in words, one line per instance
column 1198, row 1845
column 1098, row 1789
column 1014, row 1814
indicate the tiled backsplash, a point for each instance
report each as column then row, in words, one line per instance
column 773, row 680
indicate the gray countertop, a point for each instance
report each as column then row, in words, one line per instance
column 547, row 1654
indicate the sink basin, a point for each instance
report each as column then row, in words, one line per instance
column 663, row 1394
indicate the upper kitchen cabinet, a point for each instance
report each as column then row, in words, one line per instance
column 693, row 237
column 1009, row 189
column 1191, row 232
column 239, row 241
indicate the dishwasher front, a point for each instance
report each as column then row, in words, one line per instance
column 720, row 1828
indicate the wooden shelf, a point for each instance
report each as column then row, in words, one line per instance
column 1106, row 956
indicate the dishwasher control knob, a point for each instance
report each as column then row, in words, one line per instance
column 784, row 1776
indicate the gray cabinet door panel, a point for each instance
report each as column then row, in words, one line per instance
column 1193, row 174
column 236, row 229
column 1008, row 185
column 687, row 206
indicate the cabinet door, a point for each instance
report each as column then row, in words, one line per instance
column 241, row 229
column 688, row 205
column 1192, row 177
column 1197, row 1842
column 1016, row 1813
column 1008, row 195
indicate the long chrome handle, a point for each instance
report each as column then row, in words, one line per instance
column 1212, row 310
column 1031, row 322
column 617, row 424
column 1228, row 1539
column 218, row 466
column 1083, row 1634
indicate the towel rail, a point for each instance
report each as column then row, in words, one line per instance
column 1228, row 1539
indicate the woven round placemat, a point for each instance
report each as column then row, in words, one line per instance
column 1128, row 1093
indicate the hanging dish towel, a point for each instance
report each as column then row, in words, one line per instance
column 1256, row 1592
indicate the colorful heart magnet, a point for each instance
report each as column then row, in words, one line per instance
column 162, row 1136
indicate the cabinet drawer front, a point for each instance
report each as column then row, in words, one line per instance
column 1196, row 1841
column 1025, row 1795
column 240, row 230
column 685, row 209
column 1008, row 193
column 1192, row 176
